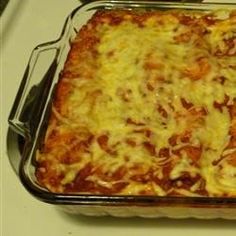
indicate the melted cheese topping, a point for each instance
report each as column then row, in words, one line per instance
column 149, row 107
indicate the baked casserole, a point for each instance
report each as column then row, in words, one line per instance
column 145, row 105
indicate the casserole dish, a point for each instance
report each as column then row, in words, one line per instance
column 31, row 111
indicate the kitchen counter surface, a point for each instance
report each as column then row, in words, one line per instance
column 25, row 24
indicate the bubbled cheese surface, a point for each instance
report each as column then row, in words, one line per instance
column 140, row 69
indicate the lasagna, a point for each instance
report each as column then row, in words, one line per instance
column 145, row 105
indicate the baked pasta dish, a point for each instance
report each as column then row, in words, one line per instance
column 145, row 105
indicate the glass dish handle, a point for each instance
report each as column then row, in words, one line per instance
column 32, row 94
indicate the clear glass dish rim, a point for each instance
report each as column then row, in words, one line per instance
column 124, row 200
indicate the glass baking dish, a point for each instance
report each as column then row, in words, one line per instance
column 29, row 116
